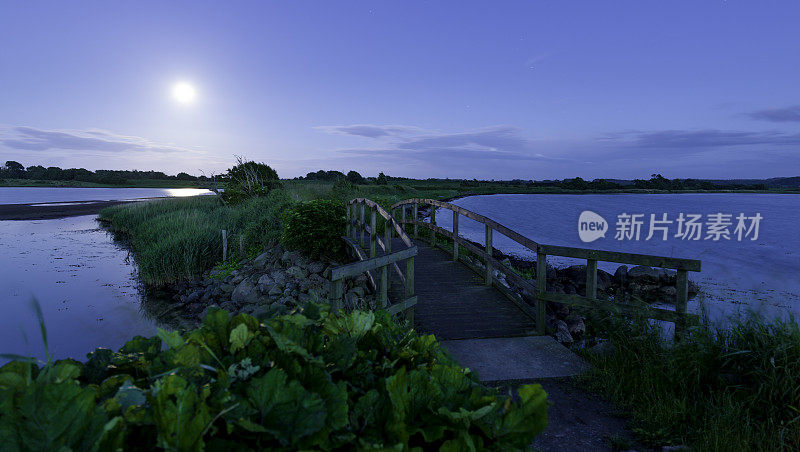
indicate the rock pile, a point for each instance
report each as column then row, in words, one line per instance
column 271, row 284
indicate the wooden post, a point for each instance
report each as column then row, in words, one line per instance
column 361, row 242
column 387, row 235
column 410, row 289
column 489, row 272
column 349, row 228
column 335, row 294
column 373, row 234
column 681, row 297
column 541, row 288
column 224, row 245
column 433, row 223
column 384, row 287
column 591, row 278
column 241, row 245
column 455, row 235
column 403, row 217
column 416, row 218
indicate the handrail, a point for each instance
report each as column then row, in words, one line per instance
column 374, row 262
column 679, row 316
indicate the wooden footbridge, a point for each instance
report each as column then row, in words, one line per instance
column 420, row 272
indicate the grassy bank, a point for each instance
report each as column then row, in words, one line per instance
column 720, row 389
column 175, row 239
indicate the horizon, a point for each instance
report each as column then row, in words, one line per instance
column 531, row 91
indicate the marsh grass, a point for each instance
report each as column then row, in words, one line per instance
column 176, row 239
column 727, row 388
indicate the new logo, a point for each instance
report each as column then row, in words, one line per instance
column 591, row 226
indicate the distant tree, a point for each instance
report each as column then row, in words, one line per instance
column 382, row 179
column 14, row 170
column 37, row 172
column 185, row 176
column 355, row 178
column 575, row 184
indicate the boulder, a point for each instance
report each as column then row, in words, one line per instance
column 245, row 293
column 575, row 273
column 316, row 267
column 644, row 275
column 604, row 280
column 562, row 333
column 576, row 326
column 279, row 277
column 262, row 260
column 296, row 272
column 194, row 297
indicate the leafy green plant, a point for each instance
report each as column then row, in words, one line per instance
column 315, row 227
column 310, row 380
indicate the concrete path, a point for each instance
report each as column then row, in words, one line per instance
column 516, row 358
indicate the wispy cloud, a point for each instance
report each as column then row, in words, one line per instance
column 370, row 130
column 694, row 141
column 785, row 114
column 33, row 139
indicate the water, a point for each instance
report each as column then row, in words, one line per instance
column 30, row 195
column 736, row 276
column 85, row 282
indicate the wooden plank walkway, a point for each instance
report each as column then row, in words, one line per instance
column 454, row 303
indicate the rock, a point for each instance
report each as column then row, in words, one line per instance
column 562, row 333
column 576, row 326
column 262, row 260
column 291, row 257
column 621, row 275
column 604, row 280
column 245, row 293
column 668, row 293
column 194, row 297
column 279, row 277
column 265, row 283
column 275, row 290
column 316, row 267
column 644, row 274
column 575, row 273
column 296, row 272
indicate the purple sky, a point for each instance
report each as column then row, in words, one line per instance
column 528, row 89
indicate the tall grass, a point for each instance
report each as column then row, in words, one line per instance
column 727, row 388
column 176, row 239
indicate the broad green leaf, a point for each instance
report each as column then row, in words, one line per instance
column 172, row 339
column 240, row 337
column 180, row 414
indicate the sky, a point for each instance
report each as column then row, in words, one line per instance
column 467, row 89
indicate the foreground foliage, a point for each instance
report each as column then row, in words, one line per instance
column 310, row 380
column 731, row 388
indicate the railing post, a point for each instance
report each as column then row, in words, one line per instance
column 433, row 224
column 681, row 297
column 410, row 289
column 455, row 235
column 335, row 294
column 224, row 245
column 349, row 227
column 403, row 217
column 489, row 272
column 387, row 235
column 416, row 217
column 373, row 234
column 541, row 288
column 384, row 287
column 591, row 278
column 362, row 224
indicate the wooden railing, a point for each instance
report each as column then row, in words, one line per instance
column 355, row 239
column 590, row 300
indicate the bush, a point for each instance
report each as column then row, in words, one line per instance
column 315, row 228
column 302, row 381
column 249, row 179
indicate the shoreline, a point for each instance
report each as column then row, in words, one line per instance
column 54, row 210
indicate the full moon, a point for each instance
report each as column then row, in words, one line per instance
column 184, row 93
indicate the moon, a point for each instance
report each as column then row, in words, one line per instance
column 184, row 93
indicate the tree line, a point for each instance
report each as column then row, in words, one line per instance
column 16, row 170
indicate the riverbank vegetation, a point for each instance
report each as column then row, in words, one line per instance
column 721, row 388
column 310, row 380
column 15, row 174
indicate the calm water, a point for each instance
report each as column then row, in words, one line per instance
column 29, row 195
column 85, row 283
column 763, row 274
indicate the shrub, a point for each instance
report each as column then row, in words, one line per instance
column 315, row 228
column 249, row 179
column 304, row 381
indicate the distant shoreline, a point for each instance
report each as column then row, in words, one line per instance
column 49, row 211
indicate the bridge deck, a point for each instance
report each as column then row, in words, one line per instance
column 454, row 303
